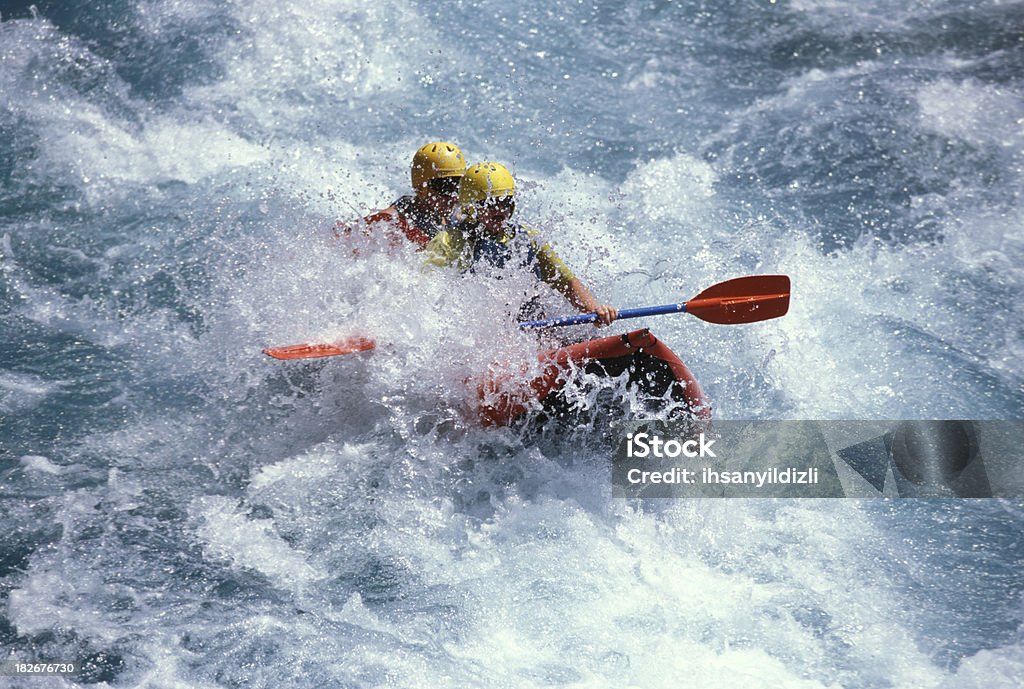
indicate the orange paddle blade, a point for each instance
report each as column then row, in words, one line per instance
column 314, row 351
column 742, row 300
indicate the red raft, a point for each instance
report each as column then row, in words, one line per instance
column 653, row 369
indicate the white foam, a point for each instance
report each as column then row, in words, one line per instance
column 41, row 464
column 107, row 154
column 23, row 391
column 290, row 61
column 47, row 599
column 999, row 668
column 980, row 114
column 671, row 188
column 248, row 543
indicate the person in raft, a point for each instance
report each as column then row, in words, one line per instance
column 487, row 235
column 437, row 169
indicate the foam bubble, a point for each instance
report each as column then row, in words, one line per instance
column 252, row 544
column 978, row 113
column 41, row 464
column 23, row 391
column 671, row 188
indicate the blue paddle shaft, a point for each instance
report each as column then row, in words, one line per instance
column 591, row 317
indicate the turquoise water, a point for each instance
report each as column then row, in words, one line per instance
column 182, row 511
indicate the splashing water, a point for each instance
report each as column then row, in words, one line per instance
column 182, row 511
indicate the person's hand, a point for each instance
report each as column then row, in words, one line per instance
column 606, row 313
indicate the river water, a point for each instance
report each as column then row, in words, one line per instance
column 180, row 511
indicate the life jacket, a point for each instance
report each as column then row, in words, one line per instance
column 416, row 223
column 465, row 247
column 498, row 252
column 412, row 221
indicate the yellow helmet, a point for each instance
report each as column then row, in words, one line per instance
column 437, row 159
column 485, row 181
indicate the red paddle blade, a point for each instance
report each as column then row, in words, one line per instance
column 742, row 300
column 314, row 351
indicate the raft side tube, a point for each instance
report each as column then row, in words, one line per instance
column 649, row 361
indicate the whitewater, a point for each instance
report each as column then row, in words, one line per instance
column 181, row 511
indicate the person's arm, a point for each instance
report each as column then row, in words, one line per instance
column 554, row 272
column 586, row 302
column 344, row 228
column 394, row 224
column 443, row 250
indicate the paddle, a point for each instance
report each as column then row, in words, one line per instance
column 740, row 300
column 313, row 351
